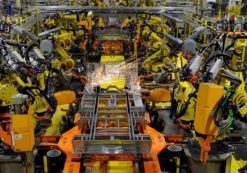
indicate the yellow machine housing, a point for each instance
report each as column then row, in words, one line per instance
column 209, row 95
column 237, row 9
column 23, row 138
column 65, row 97
column 6, row 92
column 184, row 90
column 114, row 167
column 233, row 165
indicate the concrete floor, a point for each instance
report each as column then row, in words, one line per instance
column 170, row 126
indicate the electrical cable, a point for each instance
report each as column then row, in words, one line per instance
column 225, row 59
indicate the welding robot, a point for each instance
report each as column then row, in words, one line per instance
column 223, row 108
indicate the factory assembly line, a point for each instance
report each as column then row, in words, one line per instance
column 123, row 87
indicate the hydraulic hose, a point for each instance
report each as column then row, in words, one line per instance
column 220, row 110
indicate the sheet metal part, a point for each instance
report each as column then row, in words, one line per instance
column 114, row 126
